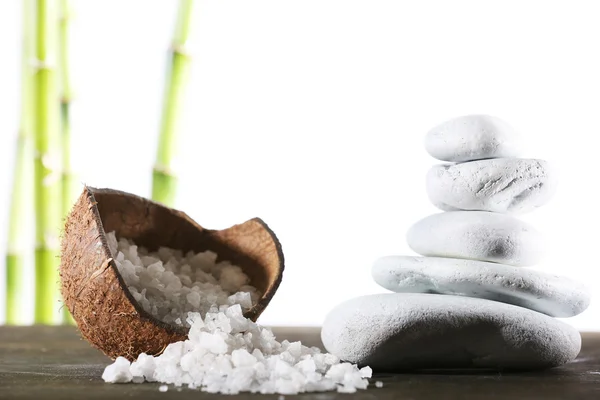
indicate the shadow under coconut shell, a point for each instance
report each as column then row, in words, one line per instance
column 93, row 290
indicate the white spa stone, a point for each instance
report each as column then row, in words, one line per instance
column 477, row 235
column 554, row 295
column 472, row 137
column 504, row 185
column 397, row 331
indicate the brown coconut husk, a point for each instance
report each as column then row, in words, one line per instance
column 96, row 295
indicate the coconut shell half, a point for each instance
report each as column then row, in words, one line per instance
column 95, row 293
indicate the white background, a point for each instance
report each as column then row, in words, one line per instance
column 311, row 115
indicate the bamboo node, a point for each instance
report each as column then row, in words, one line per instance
column 51, row 240
column 38, row 64
column 182, row 49
column 164, row 170
column 52, row 178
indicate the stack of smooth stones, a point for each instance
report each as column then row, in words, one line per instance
column 470, row 302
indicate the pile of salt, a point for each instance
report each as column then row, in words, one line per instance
column 228, row 353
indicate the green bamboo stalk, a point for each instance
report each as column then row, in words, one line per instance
column 47, row 163
column 65, row 105
column 21, row 202
column 164, row 181
column 68, row 197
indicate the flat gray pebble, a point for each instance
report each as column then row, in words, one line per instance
column 472, row 137
column 503, row 185
column 477, row 235
column 554, row 295
column 407, row 331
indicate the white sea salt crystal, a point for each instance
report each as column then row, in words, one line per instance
column 118, row 372
column 143, row 368
column 307, row 366
column 163, row 388
column 227, row 353
column 288, row 358
column 244, row 299
column 378, row 384
column 366, row 372
column 213, row 342
column 241, row 358
column 169, row 284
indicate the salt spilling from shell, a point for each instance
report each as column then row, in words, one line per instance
column 168, row 284
column 228, row 353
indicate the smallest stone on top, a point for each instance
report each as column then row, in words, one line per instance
column 472, row 137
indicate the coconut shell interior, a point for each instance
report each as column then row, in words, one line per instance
column 95, row 293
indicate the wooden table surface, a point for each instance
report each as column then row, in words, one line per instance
column 54, row 363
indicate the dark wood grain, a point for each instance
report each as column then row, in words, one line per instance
column 55, row 363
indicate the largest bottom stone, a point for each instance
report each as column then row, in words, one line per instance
column 400, row 331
